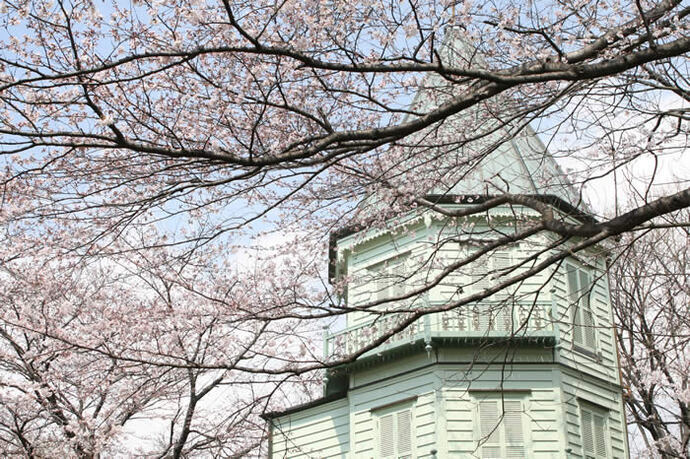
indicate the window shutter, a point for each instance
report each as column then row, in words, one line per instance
column 501, row 430
column 489, row 429
column 588, row 323
column 483, row 317
column 389, row 278
column 512, row 420
column 404, row 419
column 480, row 276
column 380, row 282
column 500, row 261
column 573, row 285
column 386, row 436
column 587, row 434
column 587, row 314
column 594, row 432
column 600, row 435
column 487, row 270
column 398, row 278
column 574, row 296
column 585, row 288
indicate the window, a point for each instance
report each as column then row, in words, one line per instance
column 489, row 270
column 488, row 316
column 389, row 278
column 579, row 291
column 500, row 430
column 594, row 431
column 395, row 432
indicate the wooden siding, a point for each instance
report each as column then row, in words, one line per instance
column 578, row 388
column 604, row 364
column 443, row 397
column 442, row 388
column 414, row 245
column 415, row 389
column 379, row 251
column 532, row 384
column 318, row 432
column 445, row 419
column 365, row 259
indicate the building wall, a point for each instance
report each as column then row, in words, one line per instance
column 547, row 286
column 443, row 391
column 425, row 261
column 318, row 432
column 415, row 390
column 604, row 363
column 530, row 384
column 578, row 390
column 446, row 385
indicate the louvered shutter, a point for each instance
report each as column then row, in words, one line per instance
column 594, row 433
column 487, row 270
column 489, row 430
column 404, row 433
column 512, row 422
column 587, row 315
column 585, row 288
column 482, row 314
column 599, row 435
column 588, row 322
column 500, row 262
column 380, row 282
column 387, row 436
column 480, row 275
column 587, row 433
column 574, row 296
column 398, row 278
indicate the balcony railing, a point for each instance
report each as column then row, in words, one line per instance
column 475, row 321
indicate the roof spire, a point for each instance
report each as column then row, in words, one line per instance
column 492, row 156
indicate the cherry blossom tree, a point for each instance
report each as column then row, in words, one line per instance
column 119, row 356
column 171, row 172
column 651, row 303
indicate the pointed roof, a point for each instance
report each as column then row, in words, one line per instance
column 501, row 161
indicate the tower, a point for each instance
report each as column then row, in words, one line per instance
column 510, row 354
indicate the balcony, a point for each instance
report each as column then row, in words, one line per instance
column 520, row 321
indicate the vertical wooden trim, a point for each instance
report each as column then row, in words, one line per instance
column 352, row 447
column 270, row 438
column 441, row 419
column 614, row 338
column 562, row 410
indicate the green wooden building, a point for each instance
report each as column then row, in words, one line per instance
column 531, row 371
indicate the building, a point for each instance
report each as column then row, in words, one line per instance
column 530, row 371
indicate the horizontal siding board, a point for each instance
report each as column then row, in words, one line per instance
column 323, row 430
column 577, row 388
column 542, row 403
column 547, row 378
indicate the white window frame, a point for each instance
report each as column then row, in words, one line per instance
column 598, row 445
column 396, row 412
column 580, row 302
column 490, row 433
